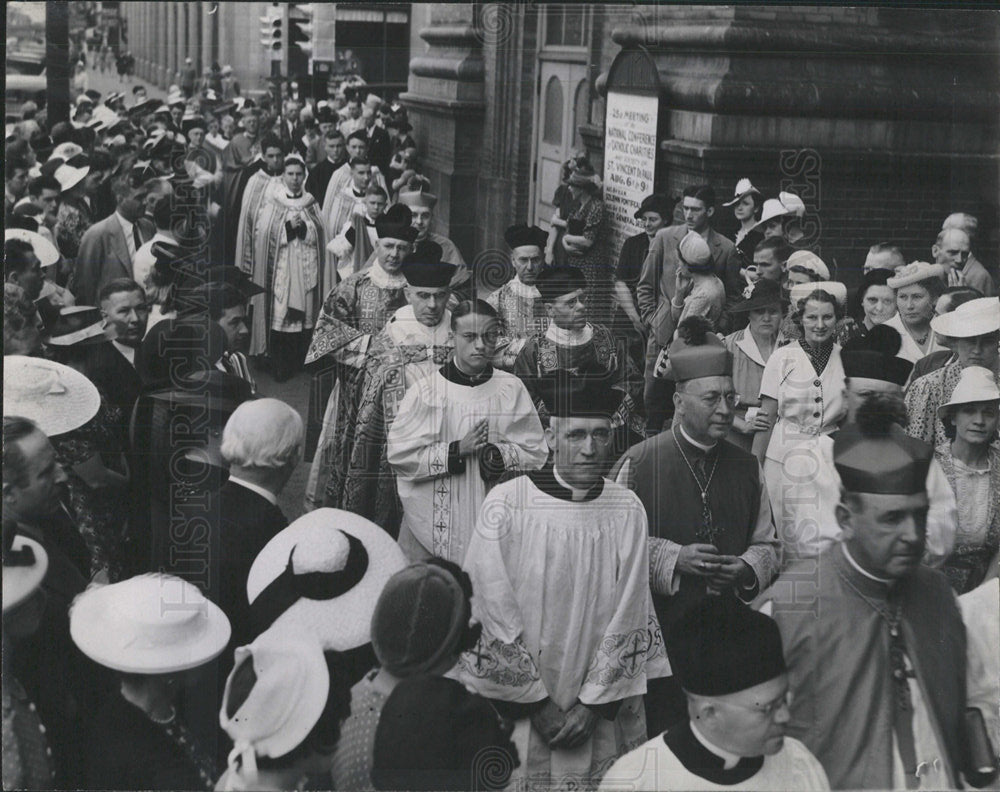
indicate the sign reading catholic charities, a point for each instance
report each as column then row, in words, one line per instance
column 629, row 161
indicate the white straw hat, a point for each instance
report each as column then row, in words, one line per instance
column 290, row 687
column 772, row 208
column 975, row 384
column 353, row 558
column 809, row 261
column 68, row 176
column 149, row 624
column 45, row 251
column 66, row 151
column 743, row 187
column 915, row 272
column 24, row 565
column 56, row 397
column 974, row 318
column 792, row 203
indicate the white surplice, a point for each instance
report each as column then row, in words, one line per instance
column 439, row 508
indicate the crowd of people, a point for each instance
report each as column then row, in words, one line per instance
column 690, row 514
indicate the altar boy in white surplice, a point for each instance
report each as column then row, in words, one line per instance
column 458, row 431
column 560, row 570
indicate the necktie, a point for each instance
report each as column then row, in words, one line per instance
column 136, row 237
column 902, row 710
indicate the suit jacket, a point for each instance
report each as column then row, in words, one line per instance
column 379, row 147
column 291, row 139
column 319, row 179
column 114, row 376
column 104, row 256
column 655, row 289
column 247, row 522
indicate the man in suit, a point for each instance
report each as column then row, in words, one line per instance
column 262, row 442
column 107, row 248
column 379, row 145
column 111, row 365
column 289, row 129
column 334, row 157
column 657, row 285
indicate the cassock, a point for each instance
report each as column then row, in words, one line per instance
column 522, row 315
column 354, row 311
column 683, row 759
column 590, row 350
column 837, row 626
column 562, row 592
column 461, row 282
column 348, row 256
column 403, row 353
column 319, row 178
column 742, row 524
column 292, row 268
column 440, row 491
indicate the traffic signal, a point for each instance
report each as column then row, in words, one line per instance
column 272, row 33
column 300, row 28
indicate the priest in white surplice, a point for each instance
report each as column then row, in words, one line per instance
column 729, row 661
column 560, row 569
column 457, row 433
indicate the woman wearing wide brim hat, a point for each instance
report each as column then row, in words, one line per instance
column 747, row 204
column 27, row 758
column 57, row 398
column 751, row 348
column 918, row 286
column 85, row 434
column 322, row 576
column 971, row 462
column 151, row 630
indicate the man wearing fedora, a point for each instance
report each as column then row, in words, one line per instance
column 711, row 527
column 518, row 302
column 974, row 329
column 657, row 284
column 729, row 661
column 108, row 248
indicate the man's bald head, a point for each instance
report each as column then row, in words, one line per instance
column 966, row 222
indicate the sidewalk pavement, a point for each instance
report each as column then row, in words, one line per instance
column 109, row 81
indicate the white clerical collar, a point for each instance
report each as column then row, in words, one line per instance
column 578, row 494
column 522, row 289
column 730, row 759
column 127, row 352
column 857, row 566
column 269, row 496
column 569, row 338
column 383, row 279
column 695, row 443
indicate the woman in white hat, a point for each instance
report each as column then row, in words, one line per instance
column 151, row 630
column 971, row 462
column 802, row 397
column 68, row 408
column 283, row 705
column 918, row 286
column 747, row 203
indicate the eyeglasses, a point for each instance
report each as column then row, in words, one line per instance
column 767, row 710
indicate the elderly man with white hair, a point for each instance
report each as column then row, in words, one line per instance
column 262, row 443
column 953, row 250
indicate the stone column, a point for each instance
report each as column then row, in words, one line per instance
column 208, row 22
column 170, row 62
column 445, row 99
column 193, row 49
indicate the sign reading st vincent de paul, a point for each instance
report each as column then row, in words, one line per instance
column 629, row 161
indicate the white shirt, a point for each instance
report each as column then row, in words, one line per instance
column 264, row 493
column 143, row 261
